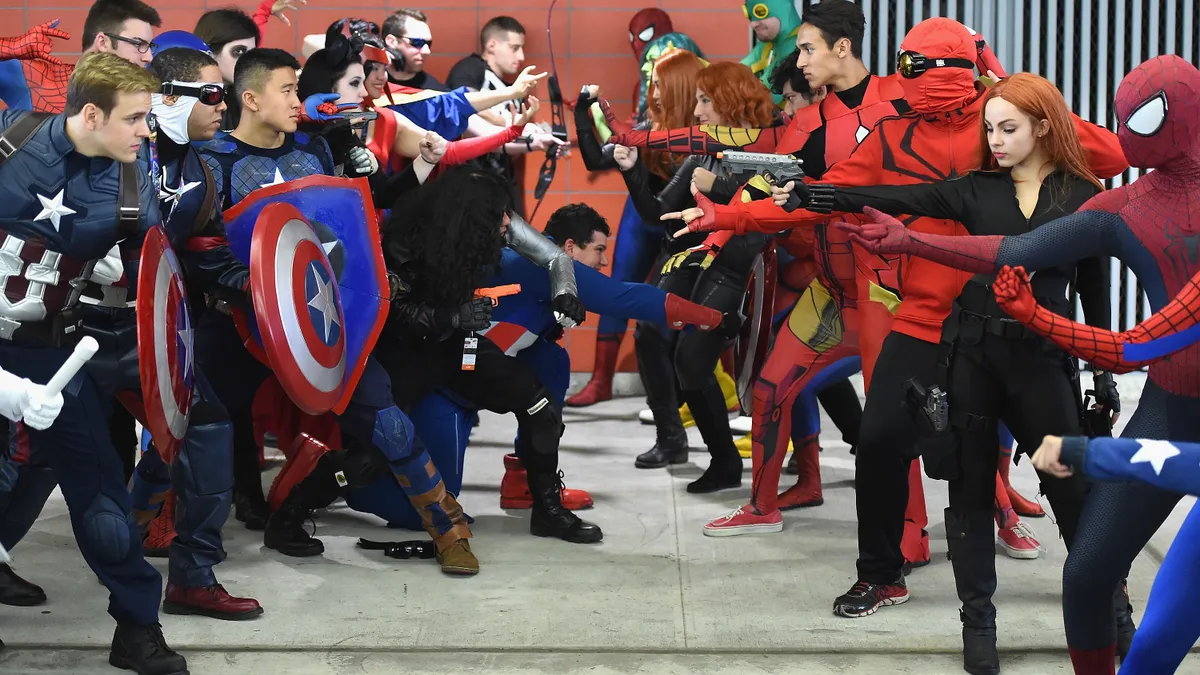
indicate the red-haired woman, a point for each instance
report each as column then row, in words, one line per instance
column 713, row 271
column 1033, row 171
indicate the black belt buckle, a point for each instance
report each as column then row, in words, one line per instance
column 1010, row 329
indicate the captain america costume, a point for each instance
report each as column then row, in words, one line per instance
column 371, row 419
column 60, row 220
column 524, row 326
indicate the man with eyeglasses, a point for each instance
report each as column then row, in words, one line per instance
column 123, row 27
column 407, row 37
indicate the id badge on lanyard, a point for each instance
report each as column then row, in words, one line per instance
column 155, row 171
column 470, row 347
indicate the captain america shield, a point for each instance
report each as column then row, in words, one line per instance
column 165, row 355
column 754, row 340
column 299, row 309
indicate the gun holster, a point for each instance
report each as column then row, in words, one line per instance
column 929, row 407
column 1095, row 423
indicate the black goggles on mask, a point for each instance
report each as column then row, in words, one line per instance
column 208, row 94
column 911, row 64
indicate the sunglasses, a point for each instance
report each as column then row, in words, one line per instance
column 141, row 45
column 419, row 43
column 209, row 94
column 912, row 64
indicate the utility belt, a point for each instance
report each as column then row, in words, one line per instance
column 64, row 329
column 977, row 314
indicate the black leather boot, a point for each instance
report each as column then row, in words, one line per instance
column 285, row 530
column 669, row 449
column 724, row 472
column 254, row 512
column 550, row 519
column 17, row 592
column 143, row 650
column 1126, row 629
column 971, row 539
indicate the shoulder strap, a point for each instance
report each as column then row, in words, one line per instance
column 129, row 202
column 210, row 196
column 19, row 132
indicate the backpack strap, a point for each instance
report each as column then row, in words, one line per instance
column 210, row 196
column 129, row 202
column 19, row 132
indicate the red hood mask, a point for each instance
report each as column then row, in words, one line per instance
column 1157, row 115
column 645, row 26
column 950, row 52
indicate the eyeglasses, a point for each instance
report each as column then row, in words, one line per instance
column 141, row 45
column 912, row 64
column 419, row 43
column 209, row 94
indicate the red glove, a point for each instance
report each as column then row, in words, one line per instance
column 681, row 312
column 1014, row 294
column 881, row 234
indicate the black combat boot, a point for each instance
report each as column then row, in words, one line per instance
column 670, row 447
column 550, row 518
column 143, row 650
column 972, row 542
column 17, row 592
column 252, row 510
column 285, row 530
column 1126, row 629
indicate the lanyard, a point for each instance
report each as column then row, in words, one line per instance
column 155, row 174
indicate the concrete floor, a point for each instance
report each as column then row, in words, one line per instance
column 655, row 597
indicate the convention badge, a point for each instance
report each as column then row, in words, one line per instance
column 470, row 347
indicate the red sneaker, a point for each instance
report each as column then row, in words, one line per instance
column 1018, row 541
column 744, row 521
column 864, row 598
column 214, row 602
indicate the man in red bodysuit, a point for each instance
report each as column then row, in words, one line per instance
column 939, row 142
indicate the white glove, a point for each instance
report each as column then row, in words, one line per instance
column 109, row 269
column 41, row 411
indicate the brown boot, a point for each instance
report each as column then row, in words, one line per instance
column 458, row 559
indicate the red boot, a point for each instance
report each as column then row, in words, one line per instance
column 162, row 530
column 807, row 490
column 1095, row 661
column 515, row 494
column 214, row 602
column 1024, row 507
column 600, row 387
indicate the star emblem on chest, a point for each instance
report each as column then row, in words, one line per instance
column 53, row 209
column 276, row 180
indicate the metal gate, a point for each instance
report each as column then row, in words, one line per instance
column 1085, row 47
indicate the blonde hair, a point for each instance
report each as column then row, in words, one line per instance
column 100, row 76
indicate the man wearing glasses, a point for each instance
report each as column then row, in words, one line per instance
column 408, row 39
column 123, row 27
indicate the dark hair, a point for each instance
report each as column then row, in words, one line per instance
column 256, row 66
column 450, row 227
column 359, row 28
column 496, row 26
column 396, row 21
column 787, row 72
column 837, row 19
column 576, row 222
column 108, row 16
column 326, row 66
column 219, row 27
column 180, row 64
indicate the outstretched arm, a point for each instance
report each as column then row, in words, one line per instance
column 703, row 139
column 1169, row 465
column 1174, row 327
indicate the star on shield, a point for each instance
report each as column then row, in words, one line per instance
column 323, row 301
column 53, row 209
column 185, row 341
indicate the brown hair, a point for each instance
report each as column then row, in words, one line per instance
column 738, row 96
column 397, row 21
column 99, row 77
column 1038, row 98
column 677, row 72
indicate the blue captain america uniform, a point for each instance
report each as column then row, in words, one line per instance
column 523, row 326
column 61, row 218
column 371, row 418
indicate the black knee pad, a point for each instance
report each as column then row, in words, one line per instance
column 106, row 532
column 541, row 424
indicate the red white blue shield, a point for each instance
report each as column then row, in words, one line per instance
column 299, row 308
column 340, row 214
column 165, row 355
column 754, row 340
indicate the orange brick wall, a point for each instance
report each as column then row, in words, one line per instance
column 591, row 46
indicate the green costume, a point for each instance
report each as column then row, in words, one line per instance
column 650, row 54
column 762, row 58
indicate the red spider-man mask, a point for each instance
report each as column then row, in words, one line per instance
column 1158, row 120
column 947, row 80
column 645, row 26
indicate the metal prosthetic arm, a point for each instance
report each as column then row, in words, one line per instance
column 564, row 292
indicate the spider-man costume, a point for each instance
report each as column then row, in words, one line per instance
column 44, row 88
column 940, row 142
column 1151, row 225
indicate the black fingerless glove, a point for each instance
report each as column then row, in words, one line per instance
column 474, row 315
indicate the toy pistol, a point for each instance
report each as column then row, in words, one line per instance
column 776, row 169
column 496, row 292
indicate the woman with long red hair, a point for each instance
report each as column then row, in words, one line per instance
column 1032, row 170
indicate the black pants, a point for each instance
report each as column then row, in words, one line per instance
column 840, row 400
column 885, row 450
column 122, row 428
column 499, row 383
column 676, row 364
column 1027, row 384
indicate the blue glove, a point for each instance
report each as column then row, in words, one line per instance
column 321, row 108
